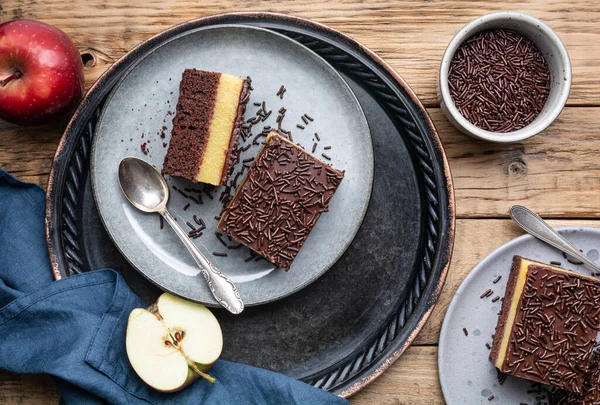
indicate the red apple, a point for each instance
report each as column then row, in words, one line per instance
column 41, row 73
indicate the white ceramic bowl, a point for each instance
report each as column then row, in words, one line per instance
column 547, row 42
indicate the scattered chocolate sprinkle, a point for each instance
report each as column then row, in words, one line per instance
column 239, row 245
column 257, row 104
column 555, row 263
column 186, row 206
column 490, row 397
column 219, row 236
column 162, row 222
column 486, row 294
column 465, row 331
column 574, row 261
column 326, row 156
column 220, row 254
column 300, row 126
column 497, row 279
column 314, row 148
column 304, row 120
column 317, row 136
column 496, row 298
column 327, row 147
column 308, row 117
column 488, row 346
column 144, row 148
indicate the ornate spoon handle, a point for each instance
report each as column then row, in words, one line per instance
column 221, row 287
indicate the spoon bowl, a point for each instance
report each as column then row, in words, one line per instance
column 143, row 185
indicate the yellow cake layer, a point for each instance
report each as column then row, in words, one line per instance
column 514, row 305
column 221, row 128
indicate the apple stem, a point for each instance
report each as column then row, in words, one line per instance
column 15, row 75
column 201, row 374
column 191, row 363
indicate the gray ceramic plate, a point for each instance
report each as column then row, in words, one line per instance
column 466, row 374
column 140, row 108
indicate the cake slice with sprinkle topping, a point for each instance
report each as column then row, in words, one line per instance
column 548, row 325
column 280, row 200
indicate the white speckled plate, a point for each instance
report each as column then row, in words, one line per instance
column 466, row 374
column 142, row 103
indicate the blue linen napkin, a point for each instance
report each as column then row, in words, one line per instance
column 74, row 329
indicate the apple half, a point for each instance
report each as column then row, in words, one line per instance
column 173, row 342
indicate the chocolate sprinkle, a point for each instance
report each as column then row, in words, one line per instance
column 486, row 294
column 219, row 254
column 465, row 331
column 497, row 279
column 499, row 80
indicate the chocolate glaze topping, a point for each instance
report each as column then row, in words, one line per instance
column 280, row 201
column 555, row 328
column 233, row 152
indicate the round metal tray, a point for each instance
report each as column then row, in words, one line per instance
column 344, row 330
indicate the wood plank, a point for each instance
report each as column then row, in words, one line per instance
column 555, row 173
column 475, row 239
column 410, row 35
column 23, row 389
column 411, row 380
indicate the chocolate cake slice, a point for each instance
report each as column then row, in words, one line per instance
column 548, row 325
column 205, row 134
column 280, row 200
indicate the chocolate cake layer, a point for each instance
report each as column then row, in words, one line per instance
column 280, row 200
column 548, row 325
column 205, row 134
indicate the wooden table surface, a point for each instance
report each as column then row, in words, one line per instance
column 557, row 173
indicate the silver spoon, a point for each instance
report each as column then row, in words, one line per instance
column 536, row 226
column 148, row 191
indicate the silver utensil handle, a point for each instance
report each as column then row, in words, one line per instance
column 536, row 226
column 222, row 288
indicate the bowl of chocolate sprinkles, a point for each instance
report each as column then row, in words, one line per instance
column 504, row 77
